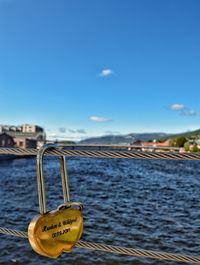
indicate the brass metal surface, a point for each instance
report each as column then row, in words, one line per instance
column 54, row 232
column 51, row 233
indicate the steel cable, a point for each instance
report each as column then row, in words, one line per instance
column 105, row 154
column 118, row 249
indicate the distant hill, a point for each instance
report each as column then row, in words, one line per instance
column 123, row 139
column 189, row 134
column 128, row 138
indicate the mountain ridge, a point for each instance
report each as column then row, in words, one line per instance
column 122, row 138
column 131, row 137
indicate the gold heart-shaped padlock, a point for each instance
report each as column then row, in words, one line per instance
column 51, row 233
column 54, row 232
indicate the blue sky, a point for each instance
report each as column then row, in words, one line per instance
column 87, row 68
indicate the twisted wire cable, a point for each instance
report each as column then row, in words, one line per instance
column 105, row 154
column 119, row 249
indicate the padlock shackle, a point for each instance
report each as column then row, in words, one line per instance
column 40, row 176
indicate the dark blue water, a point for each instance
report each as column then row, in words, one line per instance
column 153, row 205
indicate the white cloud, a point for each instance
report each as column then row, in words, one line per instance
column 57, row 136
column 63, row 133
column 99, row 119
column 81, row 131
column 62, row 130
column 112, row 132
column 78, row 131
column 71, row 131
column 188, row 112
column 183, row 110
column 106, row 72
column 176, row 107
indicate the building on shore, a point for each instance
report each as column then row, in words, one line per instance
column 26, row 135
column 150, row 146
column 24, row 143
column 6, row 140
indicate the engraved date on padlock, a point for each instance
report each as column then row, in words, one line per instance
column 57, row 231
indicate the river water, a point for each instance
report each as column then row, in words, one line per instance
column 150, row 204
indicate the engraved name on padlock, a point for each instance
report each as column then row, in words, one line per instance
column 51, row 233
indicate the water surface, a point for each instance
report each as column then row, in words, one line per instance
column 146, row 204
